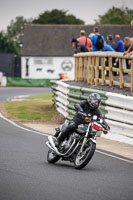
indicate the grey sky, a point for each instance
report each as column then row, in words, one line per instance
column 87, row 10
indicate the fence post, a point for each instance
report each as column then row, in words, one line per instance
column 97, row 71
column 110, row 72
column 92, row 70
column 84, row 69
column 131, row 75
column 103, row 70
column 80, row 68
column 121, row 72
column 76, row 66
column 89, row 70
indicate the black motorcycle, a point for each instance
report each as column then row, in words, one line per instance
column 78, row 147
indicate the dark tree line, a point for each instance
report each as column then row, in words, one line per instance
column 10, row 42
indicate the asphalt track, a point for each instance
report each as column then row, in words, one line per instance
column 26, row 175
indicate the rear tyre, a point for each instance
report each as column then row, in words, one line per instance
column 81, row 160
column 52, row 157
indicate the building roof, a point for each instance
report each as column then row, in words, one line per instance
column 55, row 40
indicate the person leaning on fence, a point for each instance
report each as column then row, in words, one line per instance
column 119, row 47
column 78, row 46
column 128, row 43
column 130, row 48
column 84, row 40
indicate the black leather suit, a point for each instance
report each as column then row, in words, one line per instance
column 78, row 119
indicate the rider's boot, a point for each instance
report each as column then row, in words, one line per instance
column 57, row 142
column 70, row 128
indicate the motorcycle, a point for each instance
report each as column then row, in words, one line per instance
column 78, row 147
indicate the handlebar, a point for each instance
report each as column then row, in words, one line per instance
column 93, row 118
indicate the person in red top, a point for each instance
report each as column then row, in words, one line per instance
column 84, row 40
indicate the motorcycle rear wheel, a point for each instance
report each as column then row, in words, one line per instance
column 52, row 157
column 82, row 160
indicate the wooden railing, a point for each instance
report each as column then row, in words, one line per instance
column 99, row 68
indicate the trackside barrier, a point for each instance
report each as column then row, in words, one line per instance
column 117, row 109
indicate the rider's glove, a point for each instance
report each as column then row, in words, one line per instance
column 82, row 113
column 105, row 132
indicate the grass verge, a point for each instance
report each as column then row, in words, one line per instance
column 37, row 108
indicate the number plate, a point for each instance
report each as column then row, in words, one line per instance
column 96, row 127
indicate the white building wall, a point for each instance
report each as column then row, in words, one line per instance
column 47, row 67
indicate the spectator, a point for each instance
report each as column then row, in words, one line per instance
column 110, row 41
column 119, row 45
column 128, row 42
column 108, row 47
column 90, row 35
column 98, row 44
column 78, row 46
column 97, row 40
column 84, row 40
column 130, row 48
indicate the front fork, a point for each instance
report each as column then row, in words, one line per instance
column 85, row 138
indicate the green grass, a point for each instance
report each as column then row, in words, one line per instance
column 39, row 108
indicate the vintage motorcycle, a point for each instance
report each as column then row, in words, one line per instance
column 78, row 147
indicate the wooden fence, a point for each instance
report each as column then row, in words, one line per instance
column 104, row 68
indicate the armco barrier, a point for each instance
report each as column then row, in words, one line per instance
column 117, row 108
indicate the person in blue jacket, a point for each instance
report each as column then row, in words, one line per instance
column 107, row 47
column 94, row 40
column 119, row 45
column 97, row 43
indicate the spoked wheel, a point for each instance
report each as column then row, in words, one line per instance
column 82, row 159
column 52, row 157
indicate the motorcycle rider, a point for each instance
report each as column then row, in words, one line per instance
column 89, row 106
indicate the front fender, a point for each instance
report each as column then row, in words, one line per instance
column 93, row 140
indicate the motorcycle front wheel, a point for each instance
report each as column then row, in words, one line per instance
column 82, row 159
column 52, row 157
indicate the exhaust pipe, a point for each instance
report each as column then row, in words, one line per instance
column 49, row 146
column 52, row 145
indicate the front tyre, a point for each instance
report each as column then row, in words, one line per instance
column 82, row 159
column 52, row 157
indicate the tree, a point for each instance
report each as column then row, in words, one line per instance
column 14, row 34
column 15, row 30
column 7, row 45
column 116, row 16
column 57, row 17
column 11, row 41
